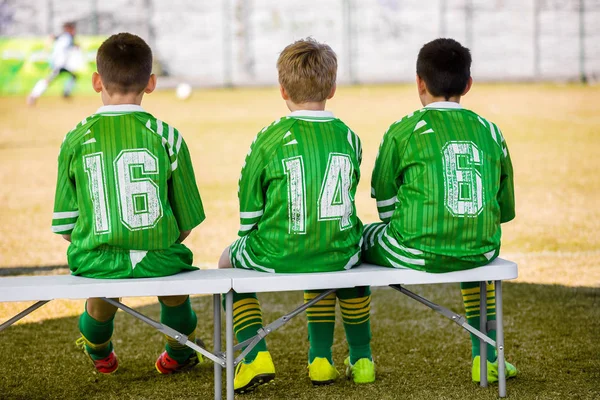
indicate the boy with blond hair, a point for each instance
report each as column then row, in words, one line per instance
column 443, row 182
column 297, row 214
column 126, row 198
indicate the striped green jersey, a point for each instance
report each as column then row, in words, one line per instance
column 296, row 195
column 125, row 179
column 443, row 179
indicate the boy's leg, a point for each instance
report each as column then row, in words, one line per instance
column 470, row 294
column 247, row 319
column 355, row 304
column 321, row 325
column 96, row 325
column 257, row 367
column 176, row 312
column 371, row 249
column 69, row 84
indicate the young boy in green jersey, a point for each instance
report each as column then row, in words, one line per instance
column 443, row 182
column 297, row 214
column 126, row 198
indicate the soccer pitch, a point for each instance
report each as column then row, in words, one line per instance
column 552, row 132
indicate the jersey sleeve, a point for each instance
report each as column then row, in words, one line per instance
column 506, row 193
column 66, row 210
column 386, row 178
column 250, row 190
column 184, row 196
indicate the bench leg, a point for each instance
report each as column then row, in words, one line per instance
column 217, row 344
column 22, row 314
column 230, row 356
column 483, row 328
column 500, row 341
column 165, row 330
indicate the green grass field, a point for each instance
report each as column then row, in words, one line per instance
column 552, row 310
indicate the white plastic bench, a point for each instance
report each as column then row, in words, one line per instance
column 215, row 282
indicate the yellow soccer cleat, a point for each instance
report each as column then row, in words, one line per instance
column 492, row 371
column 363, row 371
column 321, row 372
column 249, row 376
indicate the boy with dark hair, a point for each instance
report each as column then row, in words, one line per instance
column 297, row 214
column 62, row 51
column 443, row 182
column 126, row 198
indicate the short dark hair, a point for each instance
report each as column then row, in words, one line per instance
column 445, row 66
column 124, row 62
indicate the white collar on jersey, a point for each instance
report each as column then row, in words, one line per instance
column 120, row 108
column 444, row 104
column 311, row 114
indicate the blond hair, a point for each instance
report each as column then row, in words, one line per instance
column 307, row 70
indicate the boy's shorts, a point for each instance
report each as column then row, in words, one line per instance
column 248, row 252
column 381, row 248
column 107, row 262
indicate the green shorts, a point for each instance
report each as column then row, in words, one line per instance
column 107, row 262
column 380, row 247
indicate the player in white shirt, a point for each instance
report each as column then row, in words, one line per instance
column 61, row 61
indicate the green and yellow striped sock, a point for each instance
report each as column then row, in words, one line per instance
column 355, row 304
column 96, row 335
column 183, row 319
column 247, row 319
column 470, row 294
column 321, row 325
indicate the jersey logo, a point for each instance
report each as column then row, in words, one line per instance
column 422, row 124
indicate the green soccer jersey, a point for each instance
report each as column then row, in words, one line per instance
column 296, row 195
column 125, row 180
column 443, row 181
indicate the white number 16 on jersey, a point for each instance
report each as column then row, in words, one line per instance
column 334, row 201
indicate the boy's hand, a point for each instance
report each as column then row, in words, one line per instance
column 183, row 235
column 67, row 238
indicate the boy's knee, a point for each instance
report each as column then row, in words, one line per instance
column 224, row 261
column 100, row 310
column 173, row 301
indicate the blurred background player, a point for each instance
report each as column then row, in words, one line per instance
column 126, row 198
column 297, row 214
column 63, row 52
column 443, row 181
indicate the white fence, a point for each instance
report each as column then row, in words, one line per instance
column 236, row 42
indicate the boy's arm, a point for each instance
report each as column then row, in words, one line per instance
column 66, row 210
column 184, row 197
column 250, row 190
column 386, row 179
column 506, row 192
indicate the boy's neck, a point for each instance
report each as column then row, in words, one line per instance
column 427, row 99
column 121, row 98
column 311, row 105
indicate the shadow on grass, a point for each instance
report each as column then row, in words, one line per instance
column 551, row 336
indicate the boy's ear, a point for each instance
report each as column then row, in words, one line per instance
column 421, row 86
column 468, row 87
column 284, row 94
column 96, row 82
column 151, row 84
column 332, row 93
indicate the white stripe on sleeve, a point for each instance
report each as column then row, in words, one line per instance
column 251, row 214
column 65, row 214
column 62, row 228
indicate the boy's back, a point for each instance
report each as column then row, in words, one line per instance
column 452, row 195
column 296, row 195
column 131, row 182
